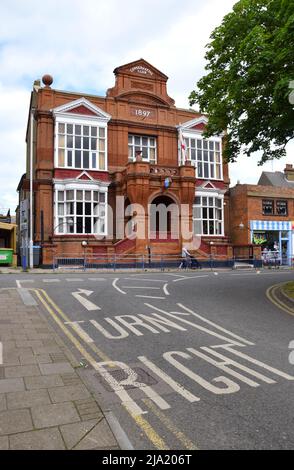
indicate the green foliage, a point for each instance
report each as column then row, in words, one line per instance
column 250, row 64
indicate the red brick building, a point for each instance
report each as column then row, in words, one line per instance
column 133, row 146
column 263, row 214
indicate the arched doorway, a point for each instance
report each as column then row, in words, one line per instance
column 163, row 218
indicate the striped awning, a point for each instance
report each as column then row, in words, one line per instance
column 270, row 225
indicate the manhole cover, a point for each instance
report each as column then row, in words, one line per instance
column 119, row 375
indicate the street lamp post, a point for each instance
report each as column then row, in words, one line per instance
column 84, row 245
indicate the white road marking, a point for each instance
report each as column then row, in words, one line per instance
column 18, row 282
column 141, row 287
column 178, row 316
column 131, row 380
column 190, row 277
column 176, row 275
column 165, row 289
column 51, row 280
column 75, row 279
column 239, row 338
column 144, row 279
column 171, row 382
column 116, row 287
column 150, row 297
column 96, row 279
column 81, row 332
column 85, row 302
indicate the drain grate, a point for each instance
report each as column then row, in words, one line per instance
column 119, row 375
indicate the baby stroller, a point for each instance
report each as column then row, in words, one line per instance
column 195, row 263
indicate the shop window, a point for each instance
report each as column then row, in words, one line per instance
column 268, row 207
column 281, row 207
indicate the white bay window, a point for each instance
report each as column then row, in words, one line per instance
column 80, row 211
column 208, row 215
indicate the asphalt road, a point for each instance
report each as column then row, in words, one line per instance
column 182, row 360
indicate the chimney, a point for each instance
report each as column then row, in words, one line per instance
column 289, row 172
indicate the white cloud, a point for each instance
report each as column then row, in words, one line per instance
column 80, row 43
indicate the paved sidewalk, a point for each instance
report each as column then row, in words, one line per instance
column 43, row 402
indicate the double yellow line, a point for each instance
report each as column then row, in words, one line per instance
column 271, row 294
column 62, row 319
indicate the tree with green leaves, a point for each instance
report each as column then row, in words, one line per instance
column 249, row 88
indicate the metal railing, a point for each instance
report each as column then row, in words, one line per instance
column 144, row 262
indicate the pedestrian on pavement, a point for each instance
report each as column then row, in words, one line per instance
column 186, row 258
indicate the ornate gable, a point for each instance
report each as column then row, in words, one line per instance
column 140, row 82
column 83, row 107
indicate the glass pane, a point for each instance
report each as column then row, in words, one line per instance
column 193, row 143
column 93, row 131
column 60, row 196
column 130, row 139
column 79, row 224
column 204, row 201
column 86, row 162
column 60, row 226
column 95, row 195
column 199, row 144
column 102, row 197
column 137, row 141
column 69, row 158
column 218, row 172
column 152, row 154
column 205, row 170
column 78, row 159
column 78, row 129
column 145, row 152
column 96, row 209
column 211, row 228
column 130, row 152
column 211, row 146
column 70, row 141
column 61, row 128
column 210, row 201
column 69, row 208
column 200, row 170
column 101, row 145
column 88, row 225
column 60, row 157
column 102, row 161
column 94, row 144
column 205, row 144
column 61, row 141
column 101, row 223
column 69, row 128
column 211, row 156
column 79, row 195
column 211, row 171
column 102, row 210
column 205, row 227
column 101, row 132
column 86, row 142
column 217, row 146
column 197, row 227
column 205, row 154
column 70, row 195
column 60, row 209
column 145, row 141
column 87, row 195
column 88, row 208
column 78, row 142
column 96, row 226
column 85, row 130
column 94, row 160
column 193, row 154
column 79, row 208
column 152, row 142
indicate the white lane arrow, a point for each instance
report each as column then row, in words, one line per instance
column 1, row 353
column 85, row 302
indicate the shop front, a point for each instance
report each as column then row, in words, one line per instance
column 275, row 239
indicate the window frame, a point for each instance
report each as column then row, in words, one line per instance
column 82, row 121
column 61, row 228
column 200, row 163
column 133, row 146
column 215, row 196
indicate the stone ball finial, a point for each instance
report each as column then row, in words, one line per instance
column 47, row 80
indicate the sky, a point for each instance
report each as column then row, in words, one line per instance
column 80, row 43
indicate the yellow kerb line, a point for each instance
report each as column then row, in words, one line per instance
column 94, row 348
column 270, row 293
column 184, row 440
column 151, row 434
